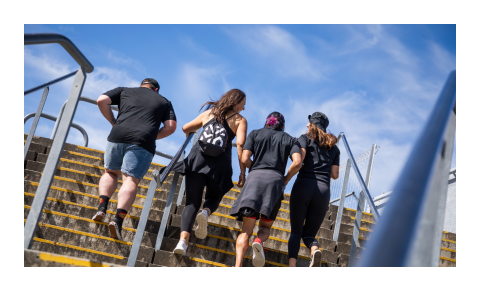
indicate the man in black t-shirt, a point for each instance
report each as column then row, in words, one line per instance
column 131, row 143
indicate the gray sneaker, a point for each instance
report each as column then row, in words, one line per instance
column 99, row 216
column 316, row 260
column 115, row 231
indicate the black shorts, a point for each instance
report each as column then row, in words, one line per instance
column 251, row 213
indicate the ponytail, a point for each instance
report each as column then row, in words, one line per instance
column 326, row 140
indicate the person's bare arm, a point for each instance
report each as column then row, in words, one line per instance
column 195, row 124
column 241, row 137
column 104, row 103
column 334, row 172
column 294, row 167
column 245, row 160
column 167, row 129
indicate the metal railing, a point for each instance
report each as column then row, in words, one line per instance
column 410, row 231
column 63, row 128
column 156, row 181
column 53, row 118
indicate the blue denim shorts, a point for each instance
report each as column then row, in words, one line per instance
column 131, row 159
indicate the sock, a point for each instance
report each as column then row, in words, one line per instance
column 120, row 216
column 103, row 203
column 205, row 212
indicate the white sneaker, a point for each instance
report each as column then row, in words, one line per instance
column 258, row 255
column 202, row 222
column 316, row 260
column 181, row 248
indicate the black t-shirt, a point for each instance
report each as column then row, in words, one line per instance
column 141, row 110
column 271, row 148
column 318, row 160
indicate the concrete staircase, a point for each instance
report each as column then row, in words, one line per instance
column 68, row 237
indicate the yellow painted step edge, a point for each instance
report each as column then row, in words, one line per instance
column 88, row 165
column 233, row 254
column 84, row 194
column 100, row 159
column 78, row 218
column 79, row 205
column 451, row 241
column 70, row 261
column 448, row 250
column 448, row 259
column 207, row 262
column 77, row 248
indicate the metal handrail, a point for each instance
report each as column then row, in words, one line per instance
column 157, row 180
column 394, row 240
column 360, row 179
column 49, row 83
column 50, row 117
column 338, row 199
column 67, row 44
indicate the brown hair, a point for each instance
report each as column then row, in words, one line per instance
column 323, row 139
column 227, row 102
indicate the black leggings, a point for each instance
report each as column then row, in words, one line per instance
column 194, row 185
column 308, row 202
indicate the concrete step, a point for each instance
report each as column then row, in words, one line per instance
column 168, row 259
column 449, row 244
column 446, row 262
column 102, row 244
column 130, row 221
column 43, row 245
column 82, row 224
column 33, row 258
column 92, row 188
column 350, row 212
column 85, row 176
column 278, row 240
column 449, row 236
column 230, row 234
column 90, row 201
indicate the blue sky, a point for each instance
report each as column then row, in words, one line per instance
column 376, row 83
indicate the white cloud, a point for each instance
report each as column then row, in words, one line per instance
column 282, row 51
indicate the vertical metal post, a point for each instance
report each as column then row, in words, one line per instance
column 426, row 246
column 369, row 170
column 338, row 221
column 59, row 117
column 35, row 122
column 166, row 212
column 137, row 241
column 360, row 207
column 356, row 230
column 53, row 158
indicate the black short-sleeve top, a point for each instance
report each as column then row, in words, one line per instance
column 318, row 160
column 141, row 111
column 271, row 148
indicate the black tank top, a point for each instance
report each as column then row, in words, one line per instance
column 218, row 168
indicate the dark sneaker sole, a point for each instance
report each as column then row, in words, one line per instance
column 114, row 232
column 259, row 260
column 316, row 259
column 98, row 217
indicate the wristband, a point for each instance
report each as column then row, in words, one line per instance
column 113, row 121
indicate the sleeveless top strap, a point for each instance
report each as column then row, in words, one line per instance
column 231, row 116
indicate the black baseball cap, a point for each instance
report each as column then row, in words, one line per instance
column 151, row 81
column 320, row 120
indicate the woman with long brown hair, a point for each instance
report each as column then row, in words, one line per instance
column 310, row 194
column 209, row 163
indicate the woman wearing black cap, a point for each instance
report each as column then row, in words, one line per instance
column 311, row 191
column 262, row 194
column 209, row 163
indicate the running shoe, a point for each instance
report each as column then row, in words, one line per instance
column 202, row 222
column 99, row 216
column 258, row 254
column 115, row 231
column 181, row 248
column 316, row 260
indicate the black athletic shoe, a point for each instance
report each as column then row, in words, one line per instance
column 316, row 260
column 115, row 231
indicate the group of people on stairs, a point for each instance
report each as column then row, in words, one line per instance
column 265, row 152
